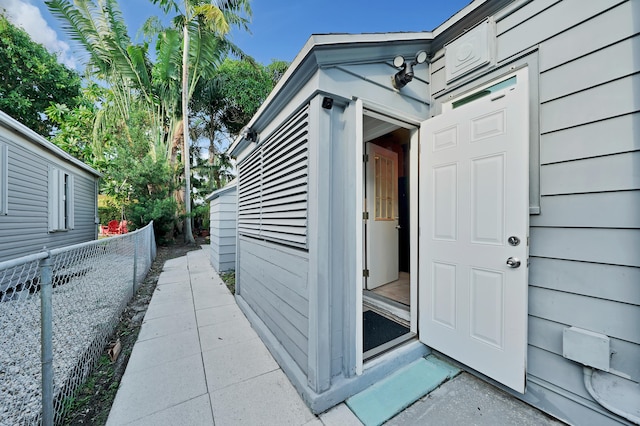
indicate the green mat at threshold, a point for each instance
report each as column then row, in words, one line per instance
column 383, row 400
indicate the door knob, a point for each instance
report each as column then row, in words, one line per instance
column 513, row 262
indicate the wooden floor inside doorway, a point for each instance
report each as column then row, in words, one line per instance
column 399, row 290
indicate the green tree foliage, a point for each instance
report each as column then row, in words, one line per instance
column 134, row 117
column 136, row 122
column 242, row 89
column 114, row 60
column 208, row 25
column 221, row 106
column 74, row 127
column 148, row 182
column 31, row 79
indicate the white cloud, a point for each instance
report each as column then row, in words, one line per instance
column 27, row 16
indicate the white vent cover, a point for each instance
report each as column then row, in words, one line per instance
column 586, row 347
column 470, row 51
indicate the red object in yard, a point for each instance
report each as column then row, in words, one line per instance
column 115, row 228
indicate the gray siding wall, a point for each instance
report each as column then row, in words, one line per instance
column 222, row 225
column 24, row 230
column 585, row 243
column 371, row 83
column 273, row 282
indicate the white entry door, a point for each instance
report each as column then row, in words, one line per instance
column 474, row 221
column 382, row 206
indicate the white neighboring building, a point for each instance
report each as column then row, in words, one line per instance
column 223, row 210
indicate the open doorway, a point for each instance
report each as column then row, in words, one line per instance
column 387, row 247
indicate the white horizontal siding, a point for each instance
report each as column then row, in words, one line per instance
column 273, row 281
column 24, row 230
column 610, row 136
column 612, row 99
column 619, row 320
column 223, row 230
column 547, row 335
column 608, row 282
column 598, row 245
column 607, row 28
column 533, row 28
column 618, row 209
column 609, row 173
column 591, row 70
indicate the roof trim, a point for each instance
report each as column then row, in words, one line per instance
column 458, row 16
column 306, row 60
column 218, row 192
column 13, row 124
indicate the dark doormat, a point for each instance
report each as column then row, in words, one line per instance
column 378, row 330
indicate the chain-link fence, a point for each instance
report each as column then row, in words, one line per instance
column 58, row 309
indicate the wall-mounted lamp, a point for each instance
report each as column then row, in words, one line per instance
column 405, row 75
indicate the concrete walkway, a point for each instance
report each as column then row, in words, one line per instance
column 197, row 360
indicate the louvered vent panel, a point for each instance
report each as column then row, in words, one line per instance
column 274, row 185
column 249, row 188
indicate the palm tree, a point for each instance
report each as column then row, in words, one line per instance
column 112, row 57
column 208, row 24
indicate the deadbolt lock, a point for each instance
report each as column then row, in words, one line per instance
column 513, row 240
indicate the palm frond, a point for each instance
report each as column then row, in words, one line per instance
column 79, row 27
column 237, row 13
column 167, row 6
column 151, row 28
column 168, row 55
column 139, row 64
column 116, row 23
column 212, row 18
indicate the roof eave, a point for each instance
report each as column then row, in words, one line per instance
column 218, row 192
column 306, row 63
column 34, row 137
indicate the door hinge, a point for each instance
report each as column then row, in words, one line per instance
column 365, row 215
column 365, row 158
column 365, row 273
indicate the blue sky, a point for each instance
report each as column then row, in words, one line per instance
column 279, row 29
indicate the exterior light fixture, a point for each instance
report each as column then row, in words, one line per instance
column 405, row 75
column 251, row 135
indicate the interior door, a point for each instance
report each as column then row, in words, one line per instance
column 474, row 220
column 382, row 206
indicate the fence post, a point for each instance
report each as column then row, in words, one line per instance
column 46, row 339
column 135, row 262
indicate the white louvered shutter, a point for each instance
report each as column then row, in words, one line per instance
column 273, row 186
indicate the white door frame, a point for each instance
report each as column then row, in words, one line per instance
column 403, row 120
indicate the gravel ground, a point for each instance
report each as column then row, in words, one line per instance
column 85, row 311
column 92, row 307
